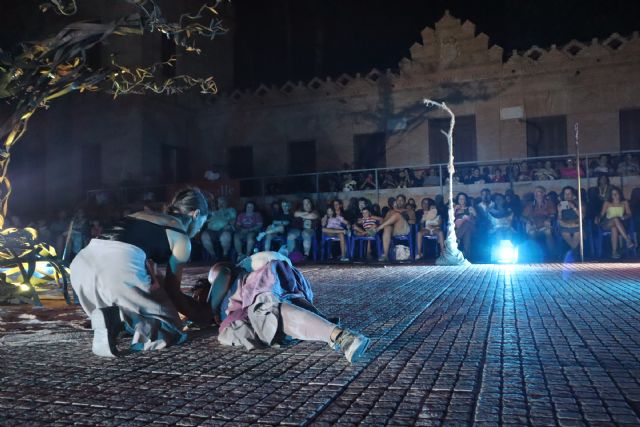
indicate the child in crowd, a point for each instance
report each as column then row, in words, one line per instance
column 335, row 225
column 366, row 226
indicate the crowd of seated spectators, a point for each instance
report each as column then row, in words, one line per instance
column 522, row 171
column 545, row 222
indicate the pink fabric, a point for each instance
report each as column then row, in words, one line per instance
column 278, row 277
column 249, row 221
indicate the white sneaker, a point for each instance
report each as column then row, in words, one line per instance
column 352, row 344
column 106, row 325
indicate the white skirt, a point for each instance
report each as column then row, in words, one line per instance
column 107, row 273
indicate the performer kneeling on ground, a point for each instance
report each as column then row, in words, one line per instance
column 115, row 279
column 265, row 300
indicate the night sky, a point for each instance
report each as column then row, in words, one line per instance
column 298, row 39
column 282, row 40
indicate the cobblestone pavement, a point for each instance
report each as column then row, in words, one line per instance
column 537, row 345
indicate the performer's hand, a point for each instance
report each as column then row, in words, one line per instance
column 156, row 278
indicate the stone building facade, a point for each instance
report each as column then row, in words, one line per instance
column 517, row 105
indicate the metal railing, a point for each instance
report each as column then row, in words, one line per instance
column 373, row 179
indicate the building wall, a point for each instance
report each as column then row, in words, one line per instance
column 589, row 83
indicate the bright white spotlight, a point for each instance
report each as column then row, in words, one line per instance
column 505, row 252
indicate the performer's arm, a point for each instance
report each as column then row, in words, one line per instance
column 186, row 305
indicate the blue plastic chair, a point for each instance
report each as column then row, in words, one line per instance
column 325, row 245
column 360, row 241
column 409, row 238
column 600, row 234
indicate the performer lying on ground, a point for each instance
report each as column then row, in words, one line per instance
column 115, row 279
column 265, row 300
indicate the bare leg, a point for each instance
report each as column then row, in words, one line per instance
column 237, row 242
column 205, row 238
column 304, row 325
column 420, row 237
column 307, row 235
column 225, row 242
column 251, row 241
column 441, row 240
column 614, row 240
column 568, row 238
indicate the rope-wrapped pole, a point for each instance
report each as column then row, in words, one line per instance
column 577, row 129
column 451, row 254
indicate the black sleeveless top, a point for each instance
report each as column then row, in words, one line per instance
column 146, row 235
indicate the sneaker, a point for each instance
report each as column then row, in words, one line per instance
column 260, row 236
column 106, row 325
column 352, row 344
column 344, row 259
column 616, row 256
column 382, row 258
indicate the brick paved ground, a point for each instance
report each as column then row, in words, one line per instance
column 534, row 345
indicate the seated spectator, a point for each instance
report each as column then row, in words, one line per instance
column 375, row 210
column 366, row 226
column 602, row 167
column 569, row 217
column 335, row 225
column 476, row 177
column 485, row 203
column 348, row 183
column 500, row 219
column 368, row 183
column 552, row 196
column 513, row 173
column 219, row 228
column 405, row 179
column 628, row 166
column 539, row 216
column 465, row 221
column 547, row 172
column 388, row 180
column 73, row 239
column 497, row 175
column 614, row 212
column 391, row 204
column 411, row 203
column 279, row 225
column 513, row 202
column 305, row 223
column 248, row 225
column 351, row 213
column 430, row 224
column 570, row 170
column 44, row 232
column 96, row 229
column 397, row 223
column 431, row 178
column 525, row 172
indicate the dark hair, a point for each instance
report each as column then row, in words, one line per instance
column 457, row 198
column 391, row 201
column 188, row 200
column 249, row 202
column 330, row 206
column 430, row 202
column 605, row 177
column 613, row 187
column 568, row 187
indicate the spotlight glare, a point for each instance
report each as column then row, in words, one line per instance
column 505, row 252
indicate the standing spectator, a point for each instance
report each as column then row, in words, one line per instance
column 219, row 228
column 248, row 225
column 614, row 212
column 334, row 224
column 539, row 216
column 430, row 224
column 305, row 224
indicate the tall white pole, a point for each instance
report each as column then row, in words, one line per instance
column 577, row 129
column 451, row 254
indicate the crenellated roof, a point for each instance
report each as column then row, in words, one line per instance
column 451, row 46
